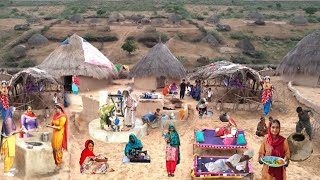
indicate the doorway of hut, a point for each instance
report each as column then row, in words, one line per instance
column 161, row 82
column 68, row 83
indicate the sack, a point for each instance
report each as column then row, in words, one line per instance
column 199, row 136
column 125, row 159
column 241, row 140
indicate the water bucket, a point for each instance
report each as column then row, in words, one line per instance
column 209, row 113
column 45, row 137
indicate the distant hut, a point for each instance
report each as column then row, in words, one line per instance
column 158, row 66
column 211, row 40
column 144, row 20
column 136, row 18
column 33, row 20
column 213, row 19
column 175, row 19
column 246, row 46
column 299, row 20
column 76, row 56
column 302, row 64
column 37, row 40
column 256, row 16
column 116, row 17
column 20, row 50
column 157, row 22
column 77, row 18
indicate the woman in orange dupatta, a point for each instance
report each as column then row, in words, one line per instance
column 274, row 145
column 166, row 89
column 60, row 134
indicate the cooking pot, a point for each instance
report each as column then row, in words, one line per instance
column 45, row 137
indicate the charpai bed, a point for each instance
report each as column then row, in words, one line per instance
column 200, row 171
column 215, row 142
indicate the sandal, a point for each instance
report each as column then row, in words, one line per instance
column 169, row 175
column 172, row 175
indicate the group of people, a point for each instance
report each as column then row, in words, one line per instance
column 98, row 164
column 29, row 123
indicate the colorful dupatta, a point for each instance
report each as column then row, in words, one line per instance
column 86, row 152
column 132, row 145
column 174, row 139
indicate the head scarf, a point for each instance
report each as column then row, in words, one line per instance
column 86, row 152
column 130, row 145
column 277, row 150
column 174, row 139
column 65, row 134
column 249, row 153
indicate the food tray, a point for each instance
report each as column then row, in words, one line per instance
column 272, row 161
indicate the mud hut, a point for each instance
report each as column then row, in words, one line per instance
column 116, row 17
column 33, row 20
column 299, row 20
column 174, row 19
column 238, row 84
column 303, row 62
column 20, row 50
column 37, row 40
column 158, row 66
column 76, row 56
column 33, row 87
column 246, row 46
column 77, row 18
column 213, row 19
column 211, row 40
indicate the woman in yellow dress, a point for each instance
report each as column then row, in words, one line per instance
column 8, row 141
column 59, row 136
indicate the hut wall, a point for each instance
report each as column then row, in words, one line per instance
column 302, row 80
column 89, row 84
column 145, row 83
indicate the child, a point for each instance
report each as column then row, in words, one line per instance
column 270, row 120
column 209, row 95
column 262, row 128
column 55, row 99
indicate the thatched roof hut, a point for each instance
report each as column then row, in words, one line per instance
column 303, row 61
column 76, row 18
column 20, row 50
column 156, row 67
column 174, row 19
column 256, row 16
column 299, row 20
column 37, row 40
column 33, row 19
column 213, row 19
column 135, row 18
column 116, row 17
column 76, row 56
column 246, row 46
column 211, row 40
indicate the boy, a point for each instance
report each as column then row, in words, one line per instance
column 183, row 86
column 304, row 121
column 262, row 128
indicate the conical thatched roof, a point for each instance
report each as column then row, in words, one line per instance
column 213, row 19
column 75, row 56
column 116, row 17
column 37, row 40
column 159, row 62
column 174, row 18
column 77, row 18
column 303, row 58
column 299, row 20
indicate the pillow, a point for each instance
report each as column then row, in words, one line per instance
column 228, row 140
column 199, row 136
column 241, row 140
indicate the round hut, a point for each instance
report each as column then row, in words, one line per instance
column 76, row 56
column 116, row 17
column 174, row 19
column 303, row 62
column 213, row 20
column 157, row 67
column 37, row 40
column 299, row 20
column 77, row 18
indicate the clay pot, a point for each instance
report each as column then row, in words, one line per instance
column 300, row 146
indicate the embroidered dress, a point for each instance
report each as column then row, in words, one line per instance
column 90, row 166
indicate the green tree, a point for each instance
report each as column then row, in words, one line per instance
column 129, row 46
column 310, row 10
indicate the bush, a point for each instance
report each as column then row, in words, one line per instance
column 89, row 35
column 312, row 20
column 45, row 29
column 260, row 61
column 26, row 63
column 101, row 12
column 216, row 59
column 183, row 59
column 278, row 5
column 310, row 10
column 10, row 60
column 151, row 39
column 261, row 55
column 202, row 29
column 240, row 60
column 217, row 36
column 239, row 35
column 129, row 46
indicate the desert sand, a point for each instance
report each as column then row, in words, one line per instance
column 155, row 145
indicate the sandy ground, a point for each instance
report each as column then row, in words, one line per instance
column 155, row 145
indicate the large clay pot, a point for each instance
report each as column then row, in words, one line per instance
column 300, row 146
column 224, row 118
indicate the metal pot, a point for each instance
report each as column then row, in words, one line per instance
column 45, row 137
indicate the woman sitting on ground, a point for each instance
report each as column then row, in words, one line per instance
column 92, row 164
column 133, row 144
column 237, row 163
column 262, row 128
column 173, row 88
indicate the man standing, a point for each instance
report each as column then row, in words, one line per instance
column 131, row 104
column 183, row 86
column 304, row 121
